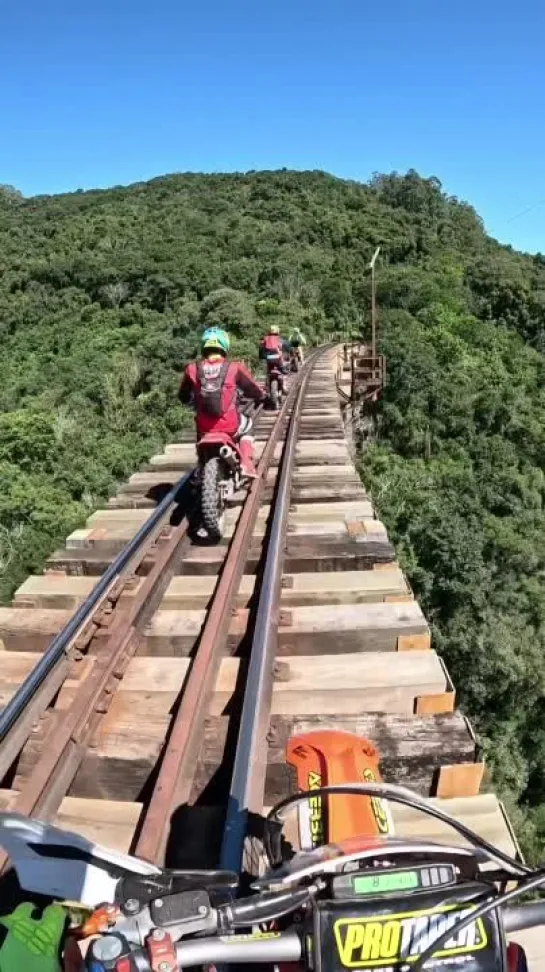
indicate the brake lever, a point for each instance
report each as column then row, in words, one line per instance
column 133, row 891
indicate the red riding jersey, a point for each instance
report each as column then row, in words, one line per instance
column 272, row 342
column 237, row 378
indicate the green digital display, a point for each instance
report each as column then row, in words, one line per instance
column 377, row 883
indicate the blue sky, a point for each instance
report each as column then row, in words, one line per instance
column 114, row 91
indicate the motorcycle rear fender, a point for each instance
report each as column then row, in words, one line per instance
column 329, row 757
column 212, row 442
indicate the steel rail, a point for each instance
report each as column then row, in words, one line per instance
column 250, row 766
column 56, row 651
column 175, row 778
column 42, row 792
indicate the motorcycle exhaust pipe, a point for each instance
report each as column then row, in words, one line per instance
column 228, row 456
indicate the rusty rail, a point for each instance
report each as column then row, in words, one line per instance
column 175, row 778
column 248, row 780
column 115, row 643
column 38, row 690
column 64, row 641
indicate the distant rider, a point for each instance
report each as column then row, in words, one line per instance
column 272, row 348
column 297, row 342
column 213, row 384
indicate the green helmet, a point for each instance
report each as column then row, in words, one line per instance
column 215, row 338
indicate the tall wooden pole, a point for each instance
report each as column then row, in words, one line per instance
column 373, row 305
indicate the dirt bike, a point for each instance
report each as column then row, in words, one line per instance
column 275, row 379
column 296, row 358
column 354, row 897
column 220, row 473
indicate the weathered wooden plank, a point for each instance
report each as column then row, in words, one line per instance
column 341, row 510
column 177, row 458
column 80, row 563
column 321, row 554
column 110, row 823
column 15, row 666
column 302, row 556
column 63, row 591
column 303, row 685
column 304, row 475
column 53, row 590
column 346, row 587
column 412, row 750
column 131, row 502
column 30, row 630
column 108, row 517
column 483, row 813
column 316, row 493
column 334, row 629
column 114, row 823
column 322, row 492
column 350, row 627
column 459, row 779
column 119, row 763
column 373, row 682
column 111, row 536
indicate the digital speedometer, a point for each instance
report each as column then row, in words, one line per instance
column 392, row 880
column 378, row 883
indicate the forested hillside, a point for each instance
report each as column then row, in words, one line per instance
column 102, row 295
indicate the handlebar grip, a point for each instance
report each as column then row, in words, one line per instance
column 271, row 948
column 517, row 917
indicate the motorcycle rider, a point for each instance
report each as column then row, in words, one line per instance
column 297, row 342
column 212, row 383
column 272, row 348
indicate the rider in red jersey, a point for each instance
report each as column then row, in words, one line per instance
column 272, row 348
column 213, row 383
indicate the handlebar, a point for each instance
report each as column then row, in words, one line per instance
column 272, row 947
column 269, row 948
column 518, row 917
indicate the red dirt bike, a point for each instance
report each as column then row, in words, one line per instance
column 276, row 387
column 354, row 897
column 225, row 464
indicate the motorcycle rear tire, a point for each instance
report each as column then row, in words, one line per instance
column 274, row 393
column 212, row 512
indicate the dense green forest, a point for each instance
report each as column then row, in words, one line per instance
column 102, row 295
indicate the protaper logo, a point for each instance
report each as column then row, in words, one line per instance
column 381, row 941
column 377, row 805
column 315, row 810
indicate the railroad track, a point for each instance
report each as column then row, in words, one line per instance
column 162, row 725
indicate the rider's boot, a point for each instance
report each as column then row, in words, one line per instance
column 246, row 447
